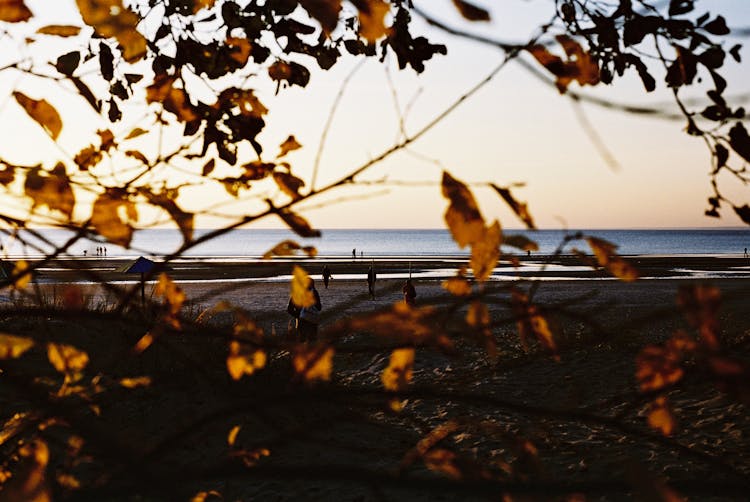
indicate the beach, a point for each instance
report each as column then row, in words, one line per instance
column 524, row 418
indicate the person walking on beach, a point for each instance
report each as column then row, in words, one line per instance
column 354, row 254
column 371, row 278
column 745, row 252
column 410, row 294
column 326, row 275
column 307, row 318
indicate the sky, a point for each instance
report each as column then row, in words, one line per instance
column 514, row 130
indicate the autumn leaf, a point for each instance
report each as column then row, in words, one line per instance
column 462, row 216
column 243, row 360
column 21, row 274
column 326, row 12
column 239, row 49
column 301, row 295
column 288, row 183
column 521, row 242
column 605, row 255
column 29, row 481
column 66, row 358
column 519, row 208
column 313, row 362
column 12, row 347
column 457, row 286
column 51, row 189
column 173, row 295
column 397, row 375
column 208, row 167
column 59, row 30
column 531, row 322
column 136, row 132
column 372, row 15
column 135, row 382
column 658, row 367
column 112, row 215
column 14, row 11
column 42, row 112
column 660, row 416
column 173, row 99
column 289, row 248
column 143, row 343
column 289, row 144
column 739, row 140
column 137, row 155
column 701, row 303
column 88, row 157
column 486, row 252
column 471, row 12
column 110, row 18
column 244, row 99
column 299, row 224
column 579, row 66
column 166, row 201
column 232, row 436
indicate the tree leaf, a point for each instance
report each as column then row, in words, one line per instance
column 13, row 347
column 174, row 99
column 136, row 132
column 486, row 252
column 21, row 274
column 59, row 30
column 166, row 201
column 660, row 416
column 743, row 212
column 301, row 295
column 67, row 63
column 135, row 382
column 137, row 155
column 232, row 436
column 457, row 286
column 14, row 11
column 244, row 360
column 42, row 112
column 521, row 242
column 372, row 14
column 208, row 167
column 51, row 189
column 313, row 363
column 701, row 303
column 462, row 216
column 518, row 207
column 530, row 321
column 173, row 295
column 288, row 183
column 471, row 12
column 66, row 358
column 111, row 216
column 326, row 12
column 88, row 157
column 740, row 141
column 299, row 224
column 606, row 257
column 110, row 18
column 579, row 66
column 289, row 144
column 397, row 375
column 289, row 248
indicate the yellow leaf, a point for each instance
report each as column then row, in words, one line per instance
column 313, row 363
column 326, row 12
column 88, row 157
column 243, row 360
column 132, row 383
column 518, row 207
column 244, row 99
column 51, row 189
column 299, row 224
column 136, row 132
column 232, row 436
column 174, row 99
column 66, row 358
column 442, row 461
column 462, row 216
column 372, row 15
column 14, row 11
column 143, row 343
column 398, row 374
column 289, row 248
column 520, row 242
column 485, row 252
column 204, row 496
column 290, row 144
column 68, row 481
column 137, row 155
column 173, row 295
column 110, row 18
column 579, row 66
column 660, row 416
column 478, row 315
column 12, row 347
column 279, row 71
column 22, row 277
column 301, row 294
column 42, row 112
column 457, row 286
column 29, row 482
column 112, row 215
column 288, row 183
column 166, row 200
column 59, row 30
column 605, row 255
column 240, row 49
column 530, row 321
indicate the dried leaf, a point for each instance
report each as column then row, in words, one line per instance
column 137, row 156
column 313, row 363
column 519, row 208
column 290, row 144
column 326, row 12
column 14, row 11
column 297, row 223
column 136, row 132
column 457, row 286
column 471, row 12
column 658, row 367
column 166, row 201
column 112, row 215
column 21, row 274
column 239, row 49
column 42, row 112
column 88, row 157
column 579, row 66
column 606, row 257
column 59, row 30
column 66, row 358
column 110, row 18
column 443, row 461
column 173, row 295
column 462, row 216
column 208, row 167
column 701, row 303
column 521, row 242
column 397, row 375
column 660, row 416
column 29, row 481
column 301, row 294
column 486, row 252
column 173, row 99
column 372, row 14
column 143, row 343
column 288, row 183
column 530, row 321
column 289, row 248
column 243, row 360
column 132, row 383
column 12, row 347
column 232, row 436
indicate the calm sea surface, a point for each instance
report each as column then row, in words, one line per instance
column 249, row 243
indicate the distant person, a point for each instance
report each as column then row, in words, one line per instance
column 745, row 252
column 371, row 278
column 326, row 275
column 361, row 254
column 354, row 254
column 410, row 294
column 307, row 318
column 105, row 250
column 84, row 252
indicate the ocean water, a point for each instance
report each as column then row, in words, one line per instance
column 251, row 243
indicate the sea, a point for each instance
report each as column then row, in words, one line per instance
column 380, row 243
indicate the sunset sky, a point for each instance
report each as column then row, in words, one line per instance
column 516, row 129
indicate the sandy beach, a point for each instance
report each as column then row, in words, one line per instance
column 520, row 422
